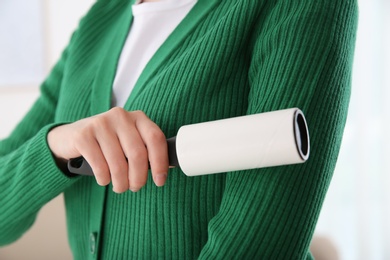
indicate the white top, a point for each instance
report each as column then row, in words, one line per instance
column 153, row 22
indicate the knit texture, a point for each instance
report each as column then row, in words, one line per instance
column 227, row 58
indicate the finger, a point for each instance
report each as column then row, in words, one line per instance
column 156, row 145
column 115, row 158
column 137, row 156
column 90, row 150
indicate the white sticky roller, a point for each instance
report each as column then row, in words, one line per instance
column 241, row 143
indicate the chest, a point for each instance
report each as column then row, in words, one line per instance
column 201, row 70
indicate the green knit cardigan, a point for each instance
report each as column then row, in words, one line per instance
column 226, row 58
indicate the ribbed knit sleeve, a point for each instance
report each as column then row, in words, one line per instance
column 29, row 177
column 302, row 58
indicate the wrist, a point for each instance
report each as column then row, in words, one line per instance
column 61, row 162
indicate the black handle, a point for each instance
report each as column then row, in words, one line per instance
column 81, row 167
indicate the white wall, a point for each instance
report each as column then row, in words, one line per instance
column 47, row 238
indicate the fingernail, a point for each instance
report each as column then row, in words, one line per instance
column 116, row 191
column 134, row 189
column 160, row 179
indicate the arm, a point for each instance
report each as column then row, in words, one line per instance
column 302, row 58
column 29, row 176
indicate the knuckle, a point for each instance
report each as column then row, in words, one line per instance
column 139, row 113
column 138, row 154
column 156, row 136
column 119, row 168
column 98, row 122
column 116, row 110
column 119, row 114
column 93, row 124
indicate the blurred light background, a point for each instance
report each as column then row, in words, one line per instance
column 356, row 212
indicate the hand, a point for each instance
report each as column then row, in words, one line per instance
column 118, row 145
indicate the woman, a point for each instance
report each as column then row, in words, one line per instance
column 220, row 59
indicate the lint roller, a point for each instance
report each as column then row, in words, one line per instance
column 247, row 142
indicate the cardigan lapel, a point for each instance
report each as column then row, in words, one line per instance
column 201, row 8
column 102, row 87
